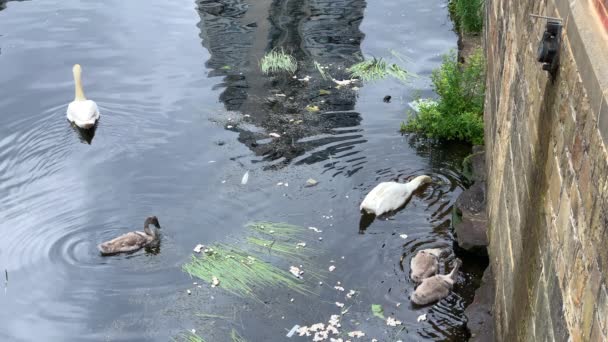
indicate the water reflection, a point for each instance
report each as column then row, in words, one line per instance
column 238, row 34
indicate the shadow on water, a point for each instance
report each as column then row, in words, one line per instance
column 85, row 135
column 238, row 34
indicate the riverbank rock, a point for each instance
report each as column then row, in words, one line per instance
column 470, row 221
column 480, row 319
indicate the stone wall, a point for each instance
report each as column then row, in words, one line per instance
column 547, row 183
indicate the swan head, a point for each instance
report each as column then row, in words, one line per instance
column 424, row 179
column 152, row 220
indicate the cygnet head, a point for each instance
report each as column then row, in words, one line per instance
column 152, row 220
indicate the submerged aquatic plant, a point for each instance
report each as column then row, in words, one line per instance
column 377, row 69
column 190, row 336
column 278, row 61
column 240, row 273
column 277, row 229
column 321, row 71
column 236, row 337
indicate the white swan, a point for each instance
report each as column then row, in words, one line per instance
column 82, row 112
column 389, row 196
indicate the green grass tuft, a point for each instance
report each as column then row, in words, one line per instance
column 377, row 69
column 278, row 61
column 458, row 114
column 239, row 272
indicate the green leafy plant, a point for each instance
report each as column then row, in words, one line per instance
column 467, row 15
column 278, row 61
column 458, row 113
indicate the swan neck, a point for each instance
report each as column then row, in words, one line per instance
column 78, row 92
column 150, row 231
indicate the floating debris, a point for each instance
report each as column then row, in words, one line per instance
column 316, row 230
column 245, row 178
column 305, row 79
column 340, row 305
column 198, row 248
column 339, row 288
column 300, row 244
column 296, row 271
column 356, row 333
column 311, row 182
column 343, row 82
column 421, row 318
column 229, row 126
column 292, row 331
column 214, row 281
column 378, row 311
column 324, row 92
column 387, row 99
column 350, row 294
column 312, row 108
column 392, row 322
column 274, row 135
column 320, row 238
column 332, row 268
column 189, row 292
column 403, row 236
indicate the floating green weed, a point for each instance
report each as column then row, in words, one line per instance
column 236, row 337
column 377, row 69
column 320, row 70
column 378, row 311
column 278, row 61
column 240, row 273
column 189, row 337
column 277, row 229
column 284, row 249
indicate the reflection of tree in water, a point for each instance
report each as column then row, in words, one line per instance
column 238, row 34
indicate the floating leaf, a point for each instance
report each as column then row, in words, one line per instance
column 378, row 311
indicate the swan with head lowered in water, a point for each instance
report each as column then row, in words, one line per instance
column 81, row 112
column 389, row 196
column 436, row 287
column 132, row 241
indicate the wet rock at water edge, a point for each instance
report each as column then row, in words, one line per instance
column 470, row 222
column 480, row 320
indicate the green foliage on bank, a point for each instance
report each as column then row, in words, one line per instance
column 458, row 113
column 467, row 15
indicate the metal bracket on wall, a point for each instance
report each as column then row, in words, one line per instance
column 550, row 44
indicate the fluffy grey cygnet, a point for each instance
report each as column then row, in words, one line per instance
column 425, row 264
column 436, row 287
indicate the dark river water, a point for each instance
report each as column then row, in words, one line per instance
column 185, row 113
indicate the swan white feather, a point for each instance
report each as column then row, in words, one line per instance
column 82, row 112
column 389, row 196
